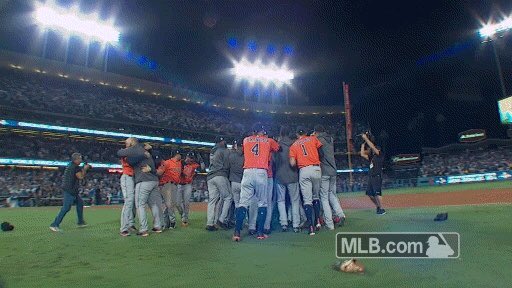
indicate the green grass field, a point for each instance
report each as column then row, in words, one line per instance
column 433, row 189
column 32, row 256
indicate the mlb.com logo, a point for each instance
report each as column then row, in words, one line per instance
column 428, row 245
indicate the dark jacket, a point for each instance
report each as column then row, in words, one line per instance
column 219, row 165
column 236, row 166
column 285, row 174
column 70, row 183
column 137, row 152
column 327, row 161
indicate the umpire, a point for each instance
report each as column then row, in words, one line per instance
column 70, row 184
column 376, row 158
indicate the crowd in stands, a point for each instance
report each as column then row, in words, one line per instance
column 33, row 147
column 29, row 187
column 59, row 101
column 467, row 162
column 76, row 101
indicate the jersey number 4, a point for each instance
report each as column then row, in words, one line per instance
column 256, row 149
column 304, row 151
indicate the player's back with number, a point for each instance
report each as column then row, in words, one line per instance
column 256, row 150
column 305, row 151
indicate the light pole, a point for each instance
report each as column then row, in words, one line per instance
column 490, row 33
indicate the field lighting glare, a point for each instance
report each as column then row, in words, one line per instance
column 262, row 73
column 74, row 23
column 492, row 29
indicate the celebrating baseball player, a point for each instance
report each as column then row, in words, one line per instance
column 185, row 188
column 170, row 176
column 218, row 185
column 328, row 184
column 304, row 155
column 128, row 190
column 256, row 150
column 287, row 180
column 146, row 184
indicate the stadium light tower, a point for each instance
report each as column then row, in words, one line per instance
column 258, row 72
column 489, row 33
column 71, row 23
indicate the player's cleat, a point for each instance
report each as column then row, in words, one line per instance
column 321, row 220
column 284, row 228
column 211, row 228
column 223, row 225
column 82, row 225
column 318, row 227
column 55, row 229
column 143, row 234
column 252, row 232
column 262, row 236
column 125, row 233
column 157, row 230
column 236, row 237
column 133, row 229
column 381, row 211
column 267, row 231
column 184, row 224
column 339, row 221
column 311, row 231
column 172, row 225
column 296, row 230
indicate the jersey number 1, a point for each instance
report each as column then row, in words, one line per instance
column 304, row 151
column 256, row 149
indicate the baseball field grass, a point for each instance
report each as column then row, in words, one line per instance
column 96, row 256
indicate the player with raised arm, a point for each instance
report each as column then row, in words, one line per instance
column 376, row 159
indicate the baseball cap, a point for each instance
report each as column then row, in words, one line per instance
column 6, row 227
column 258, row 127
column 301, row 130
column 175, row 152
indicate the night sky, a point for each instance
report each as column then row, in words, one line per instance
column 417, row 69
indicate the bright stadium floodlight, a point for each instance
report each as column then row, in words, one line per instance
column 490, row 30
column 263, row 73
column 74, row 23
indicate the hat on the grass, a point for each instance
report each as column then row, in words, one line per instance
column 441, row 217
column 6, row 226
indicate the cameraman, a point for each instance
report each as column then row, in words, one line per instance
column 70, row 183
column 376, row 158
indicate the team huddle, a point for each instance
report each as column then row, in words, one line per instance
column 294, row 173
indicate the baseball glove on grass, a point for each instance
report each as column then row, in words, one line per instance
column 349, row 266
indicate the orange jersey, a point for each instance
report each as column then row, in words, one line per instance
column 172, row 171
column 257, row 151
column 189, row 171
column 127, row 169
column 305, row 151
